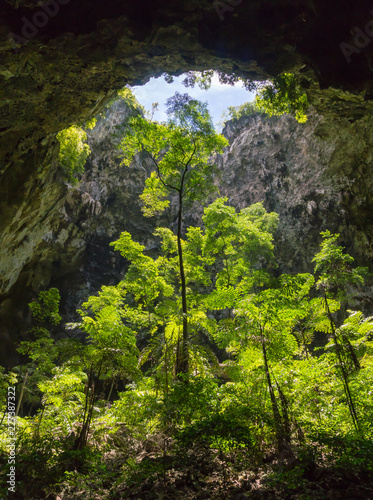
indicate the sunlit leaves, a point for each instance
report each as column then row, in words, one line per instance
column 128, row 96
column 46, row 308
column 153, row 196
column 74, row 151
column 111, row 344
column 271, row 316
column 63, row 399
column 354, row 335
column 283, row 95
column 222, row 297
column 334, row 267
column 179, row 152
column 242, row 241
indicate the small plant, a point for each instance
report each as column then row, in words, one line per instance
column 246, row 109
column 73, row 151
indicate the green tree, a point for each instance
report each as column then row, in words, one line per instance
column 263, row 322
column 221, row 263
column 335, row 272
column 283, row 95
column 110, row 349
column 151, row 288
column 41, row 350
column 180, row 152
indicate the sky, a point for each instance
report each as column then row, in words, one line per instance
column 218, row 97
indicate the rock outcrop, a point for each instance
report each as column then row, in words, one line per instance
column 315, row 175
column 62, row 60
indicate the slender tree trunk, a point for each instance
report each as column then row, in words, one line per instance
column 183, row 365
column 166, row 365
column 79, row 442
column 22, row 392
column 304, row 344
column 346, row 385
column 316, row 389
column 353, row 356
column 111, row 390
column 285, row 414
column 275, row 409
column 4, row 415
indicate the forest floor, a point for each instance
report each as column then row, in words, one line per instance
column 202, row 473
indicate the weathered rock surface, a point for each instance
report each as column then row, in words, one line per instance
column 315, row 175
column 62, row 60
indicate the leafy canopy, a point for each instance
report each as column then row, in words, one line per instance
column 180, row 151
column 282, row 95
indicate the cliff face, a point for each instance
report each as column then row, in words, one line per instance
column 316, row 176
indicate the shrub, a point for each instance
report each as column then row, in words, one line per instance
column 73, row 151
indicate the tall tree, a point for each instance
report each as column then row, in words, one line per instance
column 263, row 323
column 222, row 262
column 335, row 272
column 180, row 151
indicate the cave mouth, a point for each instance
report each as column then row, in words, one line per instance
column 314, row 175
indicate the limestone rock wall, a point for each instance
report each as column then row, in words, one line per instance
column 315, row 175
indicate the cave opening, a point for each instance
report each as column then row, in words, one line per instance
column 218, row 95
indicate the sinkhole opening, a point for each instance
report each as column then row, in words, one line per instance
column 219, row 96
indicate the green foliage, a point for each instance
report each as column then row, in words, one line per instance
column 111, row 344
column 211, row 293
column 334, row 267
column 41, row 352
column 46, row 308
column 139, row 408
column 127, row 95
column 246, row 109
column 272, row 314
column 229, row 253
column 90, row 124
column 335, row 272
column 242, row 242
column 180, row 152
column 283, row 95
column 63, row 399
column 73, row 151
column 192, row 402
